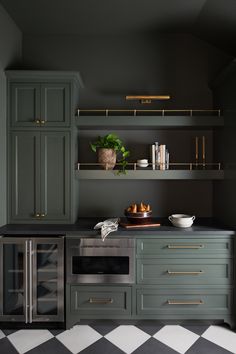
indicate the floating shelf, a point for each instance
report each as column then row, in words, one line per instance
column 152, row 175
column 147, row 121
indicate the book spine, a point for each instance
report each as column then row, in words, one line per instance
column 163, row 157
column 153, row 156
column 167, row 159
column 157, row 162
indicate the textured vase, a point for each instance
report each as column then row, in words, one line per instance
column 107, row 158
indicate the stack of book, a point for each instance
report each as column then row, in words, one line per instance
column 160, row 157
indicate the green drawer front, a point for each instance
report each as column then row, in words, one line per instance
column 183, row 302
column 99, row 300
column 184, row 271
column 184, row 247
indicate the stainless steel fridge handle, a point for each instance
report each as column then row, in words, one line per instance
column 26, row 282
column 30, row 283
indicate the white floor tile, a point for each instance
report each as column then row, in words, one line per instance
column 78, row 338
column 2, row 335
column 176, row 337
column 25, row 340
column 222, row 337
column 127, row 338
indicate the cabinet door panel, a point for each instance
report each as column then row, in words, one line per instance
column 55, row 174
column 25, row 176
column 25, row 104
column 55, row 105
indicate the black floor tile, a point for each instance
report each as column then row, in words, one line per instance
column 104, row 326
column 52, row 346
column 55, row 332
column 102, row 346
column 7, row 332
column 150, row 327
column 6, row 347
column 153, row 346
column 196, row 329
column 203, row 346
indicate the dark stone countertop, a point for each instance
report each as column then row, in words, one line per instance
column 85, row 227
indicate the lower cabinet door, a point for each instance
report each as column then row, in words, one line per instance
column 201, row 301
column 103, row 301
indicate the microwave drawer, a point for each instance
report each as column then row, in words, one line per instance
column 100, row 300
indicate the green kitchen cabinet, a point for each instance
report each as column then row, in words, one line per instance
column 39, row 176
column 44, row 99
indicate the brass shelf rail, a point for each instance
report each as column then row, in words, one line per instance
column 133, row 166
column 161, row 112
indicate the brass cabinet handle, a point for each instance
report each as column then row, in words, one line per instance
column 37, row 215
column 190, row 247
column 37, row 121
column 185, row 272
column 185, row 302
column 100, row 301
column 42, row 121
column 42, row 215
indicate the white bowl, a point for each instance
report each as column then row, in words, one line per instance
column 142, row 163
column 181, row 220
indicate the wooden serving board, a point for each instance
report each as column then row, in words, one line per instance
column 139, row 226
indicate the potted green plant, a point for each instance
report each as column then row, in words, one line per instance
column 109, row 147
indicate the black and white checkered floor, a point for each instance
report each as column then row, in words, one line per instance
column 106, row 337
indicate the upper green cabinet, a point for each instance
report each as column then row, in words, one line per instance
column 42, row 98
column 37, row 105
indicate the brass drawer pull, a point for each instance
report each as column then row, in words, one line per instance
column 37, row 121
column 189, row 247
column 42, row 215
column 185, row 273
column 185, row 302
column 37, row 215
column 100, row 301
column 42, row 122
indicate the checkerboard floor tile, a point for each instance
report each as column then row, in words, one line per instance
column 108, row 337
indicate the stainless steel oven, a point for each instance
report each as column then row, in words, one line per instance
column 90, row 260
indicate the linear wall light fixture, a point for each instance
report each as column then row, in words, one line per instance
column 147, row 99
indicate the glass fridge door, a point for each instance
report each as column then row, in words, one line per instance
column 14, row 282
column 48, row 279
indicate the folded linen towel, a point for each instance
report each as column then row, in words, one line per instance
column 107, row 226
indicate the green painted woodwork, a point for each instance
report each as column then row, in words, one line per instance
column 25, row 176
column 55, row 175
column 40, row 176
column 152, row 175
column 102, row 301
column 30, row 102
column 185, row 248
column 145, row 122
column 154, row 302
column 166, row 271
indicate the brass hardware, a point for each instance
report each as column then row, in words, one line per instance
column 37, row 121
column 100, row 301
column 42, row 121
column 190, row 247
column 163, row 112
column 185, row 302
column 185, row 273
column 147, row 99
column 37, row 215
column 42, row 215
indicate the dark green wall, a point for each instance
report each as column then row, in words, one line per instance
column 10, row 53
column 113, row 66
column 225, row 191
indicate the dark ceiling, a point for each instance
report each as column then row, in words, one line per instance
column 211, row 20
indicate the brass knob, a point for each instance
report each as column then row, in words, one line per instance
column 37, row 121
column 42, row 215
column 37, row 215
column 42, row 121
